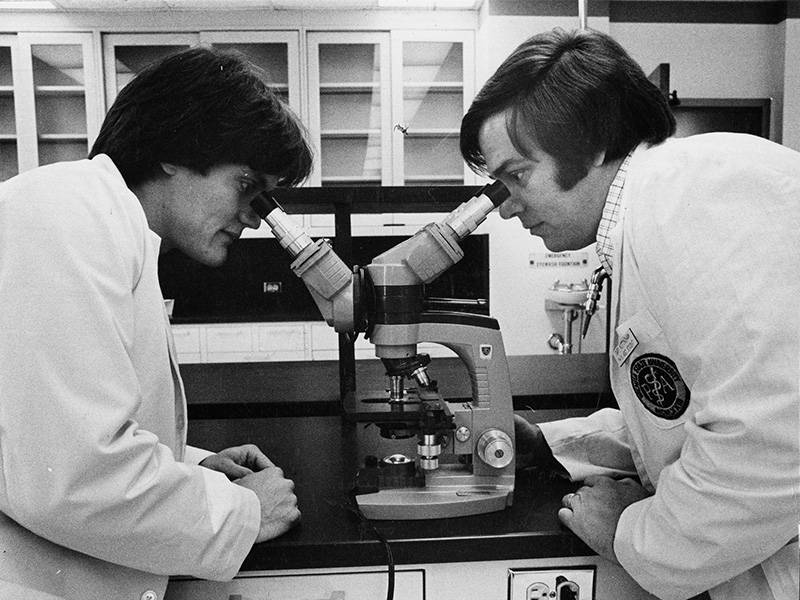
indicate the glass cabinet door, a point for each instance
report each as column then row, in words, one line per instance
column 276, row 53
column 349, row 107
column 124, row 55
column 9, row 162
column 433, row 85
column 60, row 88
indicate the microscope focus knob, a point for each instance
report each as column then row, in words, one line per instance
column 495, row 448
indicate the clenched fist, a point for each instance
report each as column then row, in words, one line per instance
column 278, row 503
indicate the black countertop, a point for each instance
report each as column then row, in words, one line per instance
column 295, row 388
column 319, row 453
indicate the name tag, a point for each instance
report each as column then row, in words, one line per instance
column 626, row 344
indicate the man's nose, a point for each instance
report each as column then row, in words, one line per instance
column 509, row 208
column 249, row 217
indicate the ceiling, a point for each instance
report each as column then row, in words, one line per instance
column 122, row 5
column 126, row 5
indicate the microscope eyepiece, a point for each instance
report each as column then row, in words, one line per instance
column 496, row 192
column 264, row 204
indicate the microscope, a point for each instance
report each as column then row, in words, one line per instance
column 464, row 462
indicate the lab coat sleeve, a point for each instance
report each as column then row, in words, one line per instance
column 194, row 455
column 722, row 267
column 77, row 469
column 594, row 445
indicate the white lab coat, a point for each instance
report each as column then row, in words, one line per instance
column 705, row 367
column 97, row 499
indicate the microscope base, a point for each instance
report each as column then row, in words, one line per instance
column 439, row 503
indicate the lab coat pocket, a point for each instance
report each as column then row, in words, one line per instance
column 646, row 373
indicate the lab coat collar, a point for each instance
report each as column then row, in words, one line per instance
column 107, row 164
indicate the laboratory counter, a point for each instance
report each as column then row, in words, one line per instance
column 321, row 455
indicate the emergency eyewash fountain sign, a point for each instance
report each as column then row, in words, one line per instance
column 558, row 259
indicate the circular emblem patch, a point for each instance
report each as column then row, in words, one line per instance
column 658, row 386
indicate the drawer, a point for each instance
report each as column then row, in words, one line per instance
column 273, row 338
column 356, row 220
column 409, row 585
column 187, row 339
column 246, row 357
column 325, row 344
column 324, row 337
column 416, row 220
column 229, row 339
column 190, row 358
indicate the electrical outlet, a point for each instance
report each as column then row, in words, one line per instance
column 569, row 583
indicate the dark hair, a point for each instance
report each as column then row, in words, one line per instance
column 199, row 108
column 576, row 93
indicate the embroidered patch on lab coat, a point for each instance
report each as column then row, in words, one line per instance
column 658, row 386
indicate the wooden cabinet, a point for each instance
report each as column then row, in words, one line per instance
column 56, row 95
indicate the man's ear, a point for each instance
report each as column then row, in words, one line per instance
column 599, row 158
column 169, row 168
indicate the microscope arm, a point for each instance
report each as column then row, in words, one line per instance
column 333, row 286
column 435, row 248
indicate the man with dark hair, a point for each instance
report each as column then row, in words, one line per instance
column 99, row 496
column 692, row 485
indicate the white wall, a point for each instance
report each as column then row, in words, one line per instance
column 712, row 60
column 791, row 84
column 517, row 289
column 499, row 35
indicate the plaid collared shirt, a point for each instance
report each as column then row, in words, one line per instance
column 604, row 247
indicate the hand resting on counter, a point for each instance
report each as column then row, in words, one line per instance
column 238, row 461
column 593, row 512
column 249, row 467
